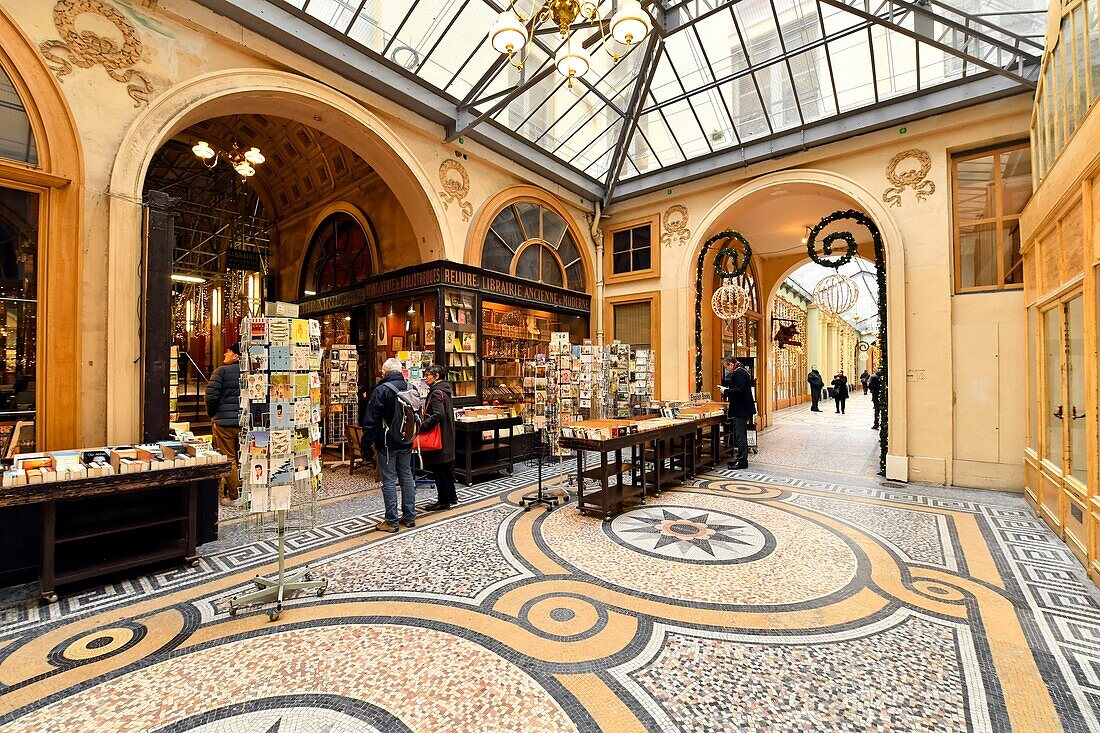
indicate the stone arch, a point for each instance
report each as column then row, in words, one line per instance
column 58, row 178
column 263, row 91
column 488, row 211
column 338, row 207
column 897, row 458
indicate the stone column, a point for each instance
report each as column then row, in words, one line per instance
column 832, row 349
column 813, row 337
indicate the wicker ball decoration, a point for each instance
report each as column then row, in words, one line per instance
column 730, row 301
column 836, row 293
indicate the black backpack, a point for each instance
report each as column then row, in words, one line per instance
column 405, row 423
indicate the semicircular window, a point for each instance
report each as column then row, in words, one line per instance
column 338, row 257
column 534, row 243
column 16, row 136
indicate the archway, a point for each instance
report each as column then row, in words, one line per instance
column 779, row 250
column 261, row 92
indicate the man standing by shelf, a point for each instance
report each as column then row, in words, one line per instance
column 223, row 405
column 737, row 389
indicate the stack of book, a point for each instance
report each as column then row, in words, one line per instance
column 70, row 465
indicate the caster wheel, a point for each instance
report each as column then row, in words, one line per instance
column 526, row 508
column 274, row 615
column 233, row 611
column 321, row 592
column 193, row 564
column 51, row 598
column 308, row 576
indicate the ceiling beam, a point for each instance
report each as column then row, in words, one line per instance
column 895, row 112
column 646, row 71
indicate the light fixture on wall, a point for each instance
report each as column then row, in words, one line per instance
column 513, row 32
column 806, row 236
column 243, row 161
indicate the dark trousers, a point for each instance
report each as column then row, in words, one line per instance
column 815, row 395
column 741, row 439
column 444, row 475
column 840, row 403
column 878, row 410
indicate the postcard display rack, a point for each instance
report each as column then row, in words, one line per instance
column 341, row 393
column 280, row 458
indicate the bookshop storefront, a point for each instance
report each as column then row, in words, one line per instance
column 481, row 325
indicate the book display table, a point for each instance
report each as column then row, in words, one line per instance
column 98, row 526
column 476, row 455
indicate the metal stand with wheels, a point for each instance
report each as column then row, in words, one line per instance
column 538, row 497
column 282, row 585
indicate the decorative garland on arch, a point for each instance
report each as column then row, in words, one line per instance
column 739, row 264
column 849, row 240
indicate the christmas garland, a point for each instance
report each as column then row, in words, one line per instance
column 739, row 267
column 880, row 276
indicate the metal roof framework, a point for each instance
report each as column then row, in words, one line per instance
column 718, row 85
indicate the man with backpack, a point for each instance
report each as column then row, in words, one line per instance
column 390, row 423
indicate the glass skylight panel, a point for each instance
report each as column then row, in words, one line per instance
column 681, row 117
column 758, row 30
column 687, row 62
column 855, row 86
column 721, row 45
column 743, row 101
column 591, row 142
column 448, row 41
column 336, row 13
column 813, row 84
column 713, row 119
column 895, row 63
column 774, row 82
column 375, row 24
column 664, row 146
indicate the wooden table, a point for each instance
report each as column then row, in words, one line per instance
column 99, row 526
column 465, row 449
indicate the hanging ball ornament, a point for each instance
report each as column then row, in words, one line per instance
column 730, row 301
column 836, row 293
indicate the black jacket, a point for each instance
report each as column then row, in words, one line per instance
column 814, row 379
column 439, row 410
column 840, row 388
column 739, row 393
column 223, row 395
column 379, row 413
column 874, row 383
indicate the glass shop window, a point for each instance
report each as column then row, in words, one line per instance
column 18, row 319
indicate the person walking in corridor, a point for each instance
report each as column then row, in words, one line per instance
column 840, row 391
column 223, row 405
column 816, row 383
column 874, row 385
column 863, row 380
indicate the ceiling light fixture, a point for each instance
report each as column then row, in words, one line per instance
column 243, row 161
column 512, row 32
column 188, row 279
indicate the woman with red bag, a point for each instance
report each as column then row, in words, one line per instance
column 436, row 440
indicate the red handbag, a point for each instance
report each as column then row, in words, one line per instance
column 431, row 440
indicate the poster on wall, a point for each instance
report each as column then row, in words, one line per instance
column 382, row 339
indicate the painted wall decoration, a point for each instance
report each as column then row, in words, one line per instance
column 86, row 48
column 675, row 223
column 456, row 186
column 909, row 176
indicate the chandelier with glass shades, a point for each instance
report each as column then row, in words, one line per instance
column 243, row 161
column 513, row 32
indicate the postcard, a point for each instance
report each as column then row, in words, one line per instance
column 282, row 415
column 257, row 358
column 282, row 442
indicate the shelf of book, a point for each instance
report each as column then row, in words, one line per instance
column 460, row 341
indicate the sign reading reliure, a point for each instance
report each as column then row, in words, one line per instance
column 449, row 274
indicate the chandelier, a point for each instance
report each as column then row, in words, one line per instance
column 512, row 32
column 836, row 294
column 243, row 161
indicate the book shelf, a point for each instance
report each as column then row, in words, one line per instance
column 460, row 341
column 510, row 338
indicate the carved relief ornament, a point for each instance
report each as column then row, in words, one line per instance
column 456, row 186
column 117, row 54
column 908, row 177
column 675, row 222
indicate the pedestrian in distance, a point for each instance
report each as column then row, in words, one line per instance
column 863, row 380
column 874, row 385
column 840, row 391
column 816, row 383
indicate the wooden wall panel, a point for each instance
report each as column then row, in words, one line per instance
column 1071, row 242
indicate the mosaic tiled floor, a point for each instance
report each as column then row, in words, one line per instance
column 822, row 441
column 727, row 605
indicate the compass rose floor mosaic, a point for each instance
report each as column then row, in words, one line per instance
column 741, row 601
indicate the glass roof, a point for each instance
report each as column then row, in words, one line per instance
column 864, row 315
column 715, row 75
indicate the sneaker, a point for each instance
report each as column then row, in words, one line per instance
column 407, row 523
column 386, row 527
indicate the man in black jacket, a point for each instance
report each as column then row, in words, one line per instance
column 223, row 405
column 816, row 383
column 874, row 385
column 394, row 457
column 737, row 387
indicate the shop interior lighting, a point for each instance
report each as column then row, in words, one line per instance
column 193, row 279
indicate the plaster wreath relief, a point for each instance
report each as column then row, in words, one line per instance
column 87, row 48
column 675, row 222
column 910, row 177
column 456, row 186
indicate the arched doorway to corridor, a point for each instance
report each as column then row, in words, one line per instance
column 775, row 213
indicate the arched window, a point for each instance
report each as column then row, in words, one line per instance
column 16, row 136
column 339, row 255
column 532, row 242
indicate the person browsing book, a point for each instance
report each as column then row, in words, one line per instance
column 223, row 405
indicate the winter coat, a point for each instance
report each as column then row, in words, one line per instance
column 874, row 384
column 840, row 388
column 439, row 410
column 223, row 395
column 815, row 381
column 379, row 414
column 739, row 393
